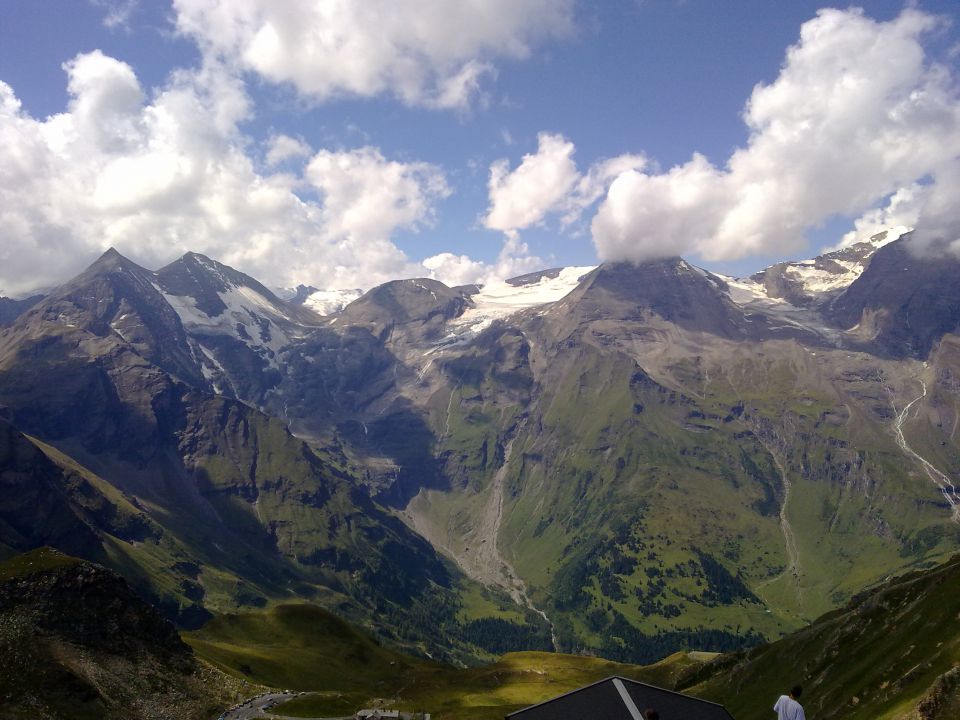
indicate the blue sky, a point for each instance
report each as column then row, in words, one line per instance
column 386, row 170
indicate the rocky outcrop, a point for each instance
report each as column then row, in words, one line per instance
column 78, row 643
column 902, row 304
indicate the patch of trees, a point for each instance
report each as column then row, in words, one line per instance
column 497, row 636
column 723, row 588
column 625, row 643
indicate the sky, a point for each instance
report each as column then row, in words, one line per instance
column 343, row 143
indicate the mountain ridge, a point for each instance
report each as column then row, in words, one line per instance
column 636, row 454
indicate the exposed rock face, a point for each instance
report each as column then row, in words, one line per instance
column 671, row 289
column 415, row 309
column 814, row 282
column 11, row 309
column 77, row 642
column 942, row 700
column 902, row 304
column 91, row 607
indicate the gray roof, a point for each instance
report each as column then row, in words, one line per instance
column 618, row 698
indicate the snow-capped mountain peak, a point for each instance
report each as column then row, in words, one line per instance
column 809, row 283
column 328, row 302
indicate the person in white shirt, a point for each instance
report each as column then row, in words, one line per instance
column 787, row 707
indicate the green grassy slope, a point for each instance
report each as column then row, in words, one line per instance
column 41, row 560
column 874, row 659
column 302, row 647
column 643, row 500
column 889, row 651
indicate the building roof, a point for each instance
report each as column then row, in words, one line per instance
column 618, row 698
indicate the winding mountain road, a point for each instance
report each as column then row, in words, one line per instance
column 256, row 707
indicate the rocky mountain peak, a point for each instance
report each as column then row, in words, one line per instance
column 902, row 303
column 117, row 301
column 204, row 280
column 812, row 283
column 671, row 289
column 415, row 302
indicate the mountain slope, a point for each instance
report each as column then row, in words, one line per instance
column 78, row 643
column 892, row 652
column 239, row 326
column 11, row 309
column 902, row 304
column 656, row 466
column 235, row 510
column 632, row 460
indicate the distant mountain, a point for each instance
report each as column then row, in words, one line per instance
column 418, row 309
column 902, row 304
column 628, row 459
column 670, row 290
column 813, row 282
column 204, row 502
column 237, row 324
column 78, row 643
column 11, row 309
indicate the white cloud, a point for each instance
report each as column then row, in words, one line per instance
column 283, row 147
column 522, row 197
column 158, row 177
column 431, row 53
column 938, row 217
column 902, row 209
column 454, row 270
column 548, row 181
column 366, row 198
column 514, row 259
column 117, row 13
column 857, row 113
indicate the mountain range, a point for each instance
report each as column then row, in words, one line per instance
column 621, row 460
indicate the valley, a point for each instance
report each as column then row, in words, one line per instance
column 623, row 461
column 473, row 360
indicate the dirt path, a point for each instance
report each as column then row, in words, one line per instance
column 944, row 483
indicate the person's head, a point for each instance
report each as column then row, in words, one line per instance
column 796, row 692
column 649, row 714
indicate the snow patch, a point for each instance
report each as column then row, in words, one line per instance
column 499, row 299
column 817, row 280
column 327, row 302
column 249, row 318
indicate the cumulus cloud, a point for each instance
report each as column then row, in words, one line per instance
column 548, row 181
column 545, row 183
column 858, row 114
column 365, row 198
column 432, row 53
column 454, row 270
column 160, row 175
column 514, row 259
column 522, row 197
